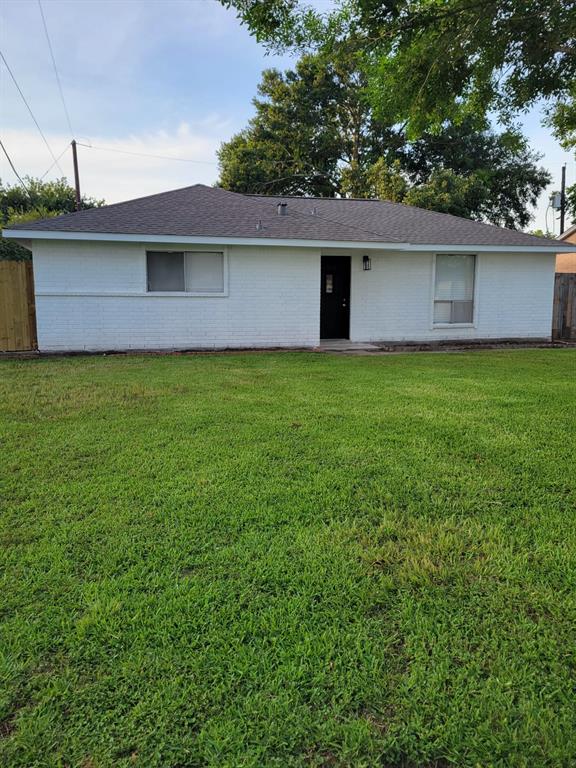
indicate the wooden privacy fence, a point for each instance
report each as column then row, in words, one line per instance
column 17, row 313
column 564, row 319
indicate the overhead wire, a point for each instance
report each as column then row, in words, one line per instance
column 179, row 159
column 54, row 163
column 13, row 166
column 147, row 154
column 205, row 162
column 56, row 70
column 32, row 115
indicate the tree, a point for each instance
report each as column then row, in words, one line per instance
column 429, row 61
column 309, row 122
column 443, row 191
column 541, row 233
column 40, row 200
column 315, row 133
column 387, row 181
column 502, row 165
column 447, row 192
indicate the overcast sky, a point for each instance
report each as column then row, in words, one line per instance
column 166, row 77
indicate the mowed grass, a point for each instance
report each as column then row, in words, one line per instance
column 289, row 560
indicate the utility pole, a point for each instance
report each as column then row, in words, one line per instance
column 76, row 176
column 563, row 199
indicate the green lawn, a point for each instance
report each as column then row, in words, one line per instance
column 289, row 560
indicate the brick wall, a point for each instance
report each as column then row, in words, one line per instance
column 92, row 296
column 393, row 301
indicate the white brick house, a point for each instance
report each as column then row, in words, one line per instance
column 205, row 268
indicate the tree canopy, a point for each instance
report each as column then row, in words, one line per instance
column 310, row 123
column 428, row 62
column 316, row 133
column 40, row 200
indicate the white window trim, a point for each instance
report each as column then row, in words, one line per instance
column 186, row 294
column 443, row 326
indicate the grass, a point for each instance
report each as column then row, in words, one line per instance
column 289, row 560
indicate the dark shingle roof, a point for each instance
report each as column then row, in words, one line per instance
column 212, row 212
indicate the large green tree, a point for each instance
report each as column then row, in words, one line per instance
column 310, row 123
column 498, row 172
column 40, row 199
column 432, row 61
column 316, row 133
column 435, row 60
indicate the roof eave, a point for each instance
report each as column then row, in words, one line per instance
column 33, row 234
column 197, row 239
column 570, row 231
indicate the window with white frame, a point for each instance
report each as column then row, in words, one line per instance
column 185, row 271
column 454, row 288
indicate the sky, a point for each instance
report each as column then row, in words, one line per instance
column 164, row 77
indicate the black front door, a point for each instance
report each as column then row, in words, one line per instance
column 335, row 297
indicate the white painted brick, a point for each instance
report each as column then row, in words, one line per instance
column 273, row 299
column 393, row 301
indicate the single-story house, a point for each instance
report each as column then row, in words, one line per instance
column 202, row 267
column 566, row 262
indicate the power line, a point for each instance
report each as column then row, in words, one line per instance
column 12, row 166
column 31, row 113
column 146, row 154
column 183, row 159
column 56, row 69
column 54, row 163
column 178, row 159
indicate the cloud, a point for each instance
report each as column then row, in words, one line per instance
column 168, row 78
column 105, row 172
column 128, row 66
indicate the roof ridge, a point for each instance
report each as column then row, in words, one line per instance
column 389, row 238
column 344, row 224
column 316, row 197
column 411, row 207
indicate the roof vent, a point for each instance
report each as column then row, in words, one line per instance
column 314, row 211
column 282, row 209
column 259, row 226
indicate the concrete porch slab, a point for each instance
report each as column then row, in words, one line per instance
column 345, row 345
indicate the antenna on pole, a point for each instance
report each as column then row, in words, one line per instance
column 76, row 176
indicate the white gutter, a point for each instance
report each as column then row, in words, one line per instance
column 440, row 248
column 33, row 234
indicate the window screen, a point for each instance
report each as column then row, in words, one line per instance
column 204, row 272
column 185, row 271
column 165, row 271
column 454, row 288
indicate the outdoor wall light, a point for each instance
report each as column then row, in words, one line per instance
column 366, row 263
